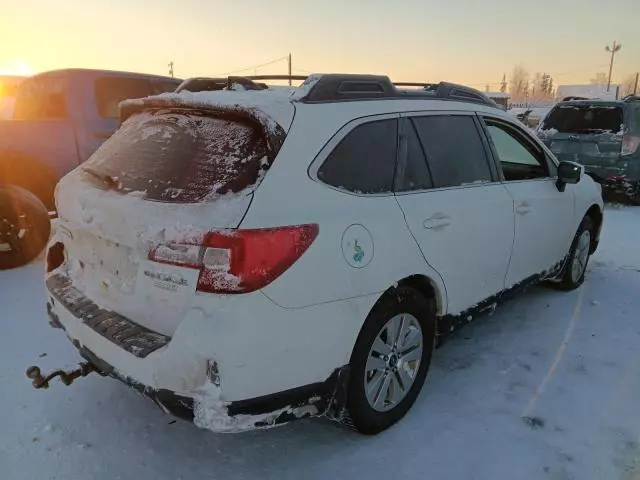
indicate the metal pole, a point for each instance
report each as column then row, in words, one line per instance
column 635, row 87
column 289, row 69
column 616, row 48
column 610, row 68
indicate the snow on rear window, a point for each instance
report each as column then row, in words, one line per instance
column 584, row 119
column 179, row 157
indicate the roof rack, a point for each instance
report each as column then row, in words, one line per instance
column 345, row 87
column 205, row 84
column 631, row 98
column 337, row 87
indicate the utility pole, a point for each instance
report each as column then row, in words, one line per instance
column 289, row 61
column 171, row 68
column 613, row 50
column 635, row 87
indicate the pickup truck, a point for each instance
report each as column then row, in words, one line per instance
column 8, row 87
column 59, row 119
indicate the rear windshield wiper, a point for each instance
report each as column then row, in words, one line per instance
column 106, row 179
column 592, row 130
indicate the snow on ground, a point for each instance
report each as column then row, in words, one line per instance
column 569, row 362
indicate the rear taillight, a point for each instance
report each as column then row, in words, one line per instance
column 239, row 261
column 630, row 144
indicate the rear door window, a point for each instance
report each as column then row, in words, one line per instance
column 174, row 157
column 415, row 174
column 41, row 98
column 163, row 86
column 585, row 119
column 454, row 150
column 110, row 91
column 364, row 161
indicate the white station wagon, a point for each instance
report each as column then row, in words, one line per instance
column 247, row 258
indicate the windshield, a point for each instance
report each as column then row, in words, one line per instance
column 178, row 157
column 584, row 119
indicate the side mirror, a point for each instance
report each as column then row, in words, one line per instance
column 568, row 172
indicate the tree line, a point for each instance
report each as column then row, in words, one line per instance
column 541, row 87
column 523, row 88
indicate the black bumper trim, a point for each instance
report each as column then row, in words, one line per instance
column 128, row 335
column 322, row 395
column 326, row 398
column 177, row 405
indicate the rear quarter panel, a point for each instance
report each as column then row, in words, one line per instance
column 326, row 271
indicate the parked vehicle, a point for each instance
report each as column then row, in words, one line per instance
column 604, row 136
column 59, row 119
column 247, row 258
column 8, row 86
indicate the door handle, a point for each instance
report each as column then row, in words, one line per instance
column 523, row 208
column 439, row 220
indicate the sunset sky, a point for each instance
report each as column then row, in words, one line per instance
column 469, row 41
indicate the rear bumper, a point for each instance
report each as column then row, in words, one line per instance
column 328, row 397
column 178, row 375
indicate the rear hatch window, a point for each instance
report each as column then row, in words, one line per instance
column 584, row 119
column 180, row 157
column 589, row 134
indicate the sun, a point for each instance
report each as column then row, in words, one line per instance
column 20, row 68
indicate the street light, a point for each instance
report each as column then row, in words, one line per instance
column 613, row 50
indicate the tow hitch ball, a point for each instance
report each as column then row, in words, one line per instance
column 67, row 378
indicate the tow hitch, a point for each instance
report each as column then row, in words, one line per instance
column 67, row 378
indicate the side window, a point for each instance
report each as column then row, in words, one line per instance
column 364, row 161
column 41, row 98
column 416, row 174
column 110, row 91
column 163, row 86
column 518, row 159
column 637, row 112
column 454, row 150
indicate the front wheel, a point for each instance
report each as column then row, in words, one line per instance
column 391, row 359
column 24, row 227
column 574, row 270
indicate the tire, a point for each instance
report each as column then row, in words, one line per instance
column 633, row 196
column 24, row 227
column 402, row 310
column 572, row 276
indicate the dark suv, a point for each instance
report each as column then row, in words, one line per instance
column 602, row 135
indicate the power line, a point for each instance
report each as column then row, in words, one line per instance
column 251, row 68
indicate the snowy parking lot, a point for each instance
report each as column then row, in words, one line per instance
column 546, row 387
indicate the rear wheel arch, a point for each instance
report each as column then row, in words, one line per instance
column 30, row 174
column 422, row 284
column 427, row 288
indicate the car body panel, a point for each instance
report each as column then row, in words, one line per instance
column 536, row 251
column 466, row 235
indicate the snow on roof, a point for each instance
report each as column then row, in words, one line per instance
column 588, row 91
column 272, row 104
column 497, row 95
